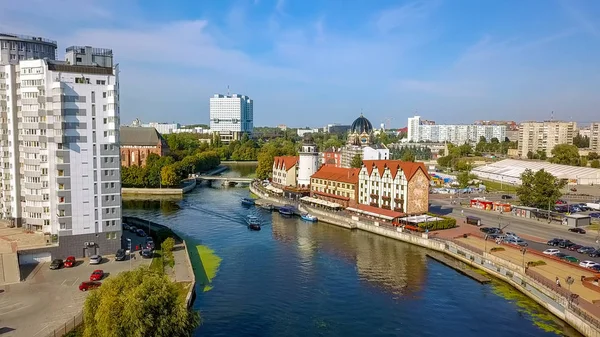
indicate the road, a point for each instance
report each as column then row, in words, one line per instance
column 541, row 229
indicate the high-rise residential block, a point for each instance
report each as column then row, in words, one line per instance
column 231, row 116
column 595, row 137
column 418, row 131
column 15, row 48
column 60, row 161
column 544, row 136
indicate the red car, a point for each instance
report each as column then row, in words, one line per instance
column 85, row 286
column 97, row 275
column 70, row 262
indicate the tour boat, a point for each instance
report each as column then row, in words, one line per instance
column 247, row 201
column 253, row 222
column 309, row 217
column 286, row 211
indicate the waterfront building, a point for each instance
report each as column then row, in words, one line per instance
column 335, row 184
column 61, row 168
column 332, row 157
column 452, row 133
column 231, row 116
column 164, row 128
column 308, row 162
column 285, row 171
column 137, row 143
column 544, row 136
column 394, row 185
column 595, row 137
column 360, row 142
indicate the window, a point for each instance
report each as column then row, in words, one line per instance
column 63, row 225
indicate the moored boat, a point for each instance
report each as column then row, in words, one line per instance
column 308, row 217
column 286, row 211
column 248, row 201
column 268, row 207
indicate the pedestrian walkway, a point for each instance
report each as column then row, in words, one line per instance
column 551, row 270
column 182, row 271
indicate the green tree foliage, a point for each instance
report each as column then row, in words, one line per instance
column 182, row 144
column 593, row 155
column 464, row 178
column 408, row 156
column 138, row 303
column 583, row 162
column 581, row 142
column 169, row 176
column 356, row 161
column 417, row 152
column 539, row 189
column 167, row 250
column 386, row 138
column 270, row 150
column 565, row 154
column 494, row 146
column 595, row 163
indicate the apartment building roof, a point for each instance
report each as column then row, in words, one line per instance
column 139, row 136
column 285, row 161
column 409, row 168
column 69, row 68
column 343, row 175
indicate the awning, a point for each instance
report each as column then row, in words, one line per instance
column 321, row 202
column 274, row 189
column 381, row 213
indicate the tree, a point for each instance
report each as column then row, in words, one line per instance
column 565, row 154
column 541, row 154
column 167, row 250
column 540, row 189
column 581, row 142
column 408, row 156
column 595, row 163
column 583, row 161
column 356, row 161
column 138, row 303
column 530, row 155
column 169, row 176
column 464, row 178
column 270, row 150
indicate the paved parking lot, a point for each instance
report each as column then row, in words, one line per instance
column 49, row 298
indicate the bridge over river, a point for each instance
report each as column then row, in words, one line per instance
column 225, row 180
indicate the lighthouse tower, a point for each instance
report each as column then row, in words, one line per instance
column 308, row 163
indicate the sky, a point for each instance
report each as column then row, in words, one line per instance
column 311, row 63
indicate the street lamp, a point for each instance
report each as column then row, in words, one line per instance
column 524, row 250
column 129, row 248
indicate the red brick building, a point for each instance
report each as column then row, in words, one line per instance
column 137, row 143
column 332, row 157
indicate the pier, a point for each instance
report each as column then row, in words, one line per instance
column 458, row 266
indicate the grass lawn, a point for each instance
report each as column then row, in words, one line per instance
column 495, row 186
column 158, row 262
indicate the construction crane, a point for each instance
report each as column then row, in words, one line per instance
column 387, row 122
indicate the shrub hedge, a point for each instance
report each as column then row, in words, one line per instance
column 445, row 223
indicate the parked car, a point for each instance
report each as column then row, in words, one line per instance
column 70, row 262
column 595, row 215
column 120, row 255
column 140, row 232
column 586, row 250
column 125, row 226
column 85, row 286
column 595, row 253
column 506, row 196
column 147, row 253
column 570, row 258
column 56, row 264
column 577, row 230
column 554, row 242
column 587, row 264
column 561, row 202
column 132, row 229
column 565, row 244
column 511, row 235
column 596, row 267
column 574, row 248
column 95, row 259
column 560, row 255
column 551, row 251
column 517, row 242
column 150, row 244
column 97, row 275
column 583, row 207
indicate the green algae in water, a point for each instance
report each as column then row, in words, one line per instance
column 209, row 266
column 539, row 316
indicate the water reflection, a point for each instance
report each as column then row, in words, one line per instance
column 166, row 205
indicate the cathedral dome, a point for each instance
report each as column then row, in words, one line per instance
column 361, row 125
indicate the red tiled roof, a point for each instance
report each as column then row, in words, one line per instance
column 285, row 161
column 409, row 168
column 382, row 211
column 340, row 174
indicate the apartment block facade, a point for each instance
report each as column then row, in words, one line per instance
column 544, row 136
column 231, row 116
column 60, row 146
column 421, row 131
column 595, row 137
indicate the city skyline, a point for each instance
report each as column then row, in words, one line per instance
column 304, row 64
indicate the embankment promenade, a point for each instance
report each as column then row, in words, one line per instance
column 575, row 310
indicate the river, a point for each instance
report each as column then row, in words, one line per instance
column 299, row 279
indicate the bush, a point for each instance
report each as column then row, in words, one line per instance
column 536, row 263
column 497, row 249
column 167, row 250
column 445, row 223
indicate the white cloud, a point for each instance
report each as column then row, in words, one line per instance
column 410, row 13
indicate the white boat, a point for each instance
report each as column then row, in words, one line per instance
column 309, row 217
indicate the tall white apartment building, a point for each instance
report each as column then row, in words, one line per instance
column 60, row 146
column 231, row 114
column 164, row 128
column 544, row 136
column 595, row 137
column 452, row 133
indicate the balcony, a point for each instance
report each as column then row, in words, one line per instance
column 386, row 198
column 399, row 209
column 374, row 204
column 375, row 196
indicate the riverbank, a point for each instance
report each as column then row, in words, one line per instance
column 559, row 302
column 187, row 185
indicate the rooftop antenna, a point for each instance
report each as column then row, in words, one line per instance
column 228, row 90
column 552, row 116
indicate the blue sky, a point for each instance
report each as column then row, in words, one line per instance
column 309, row 63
